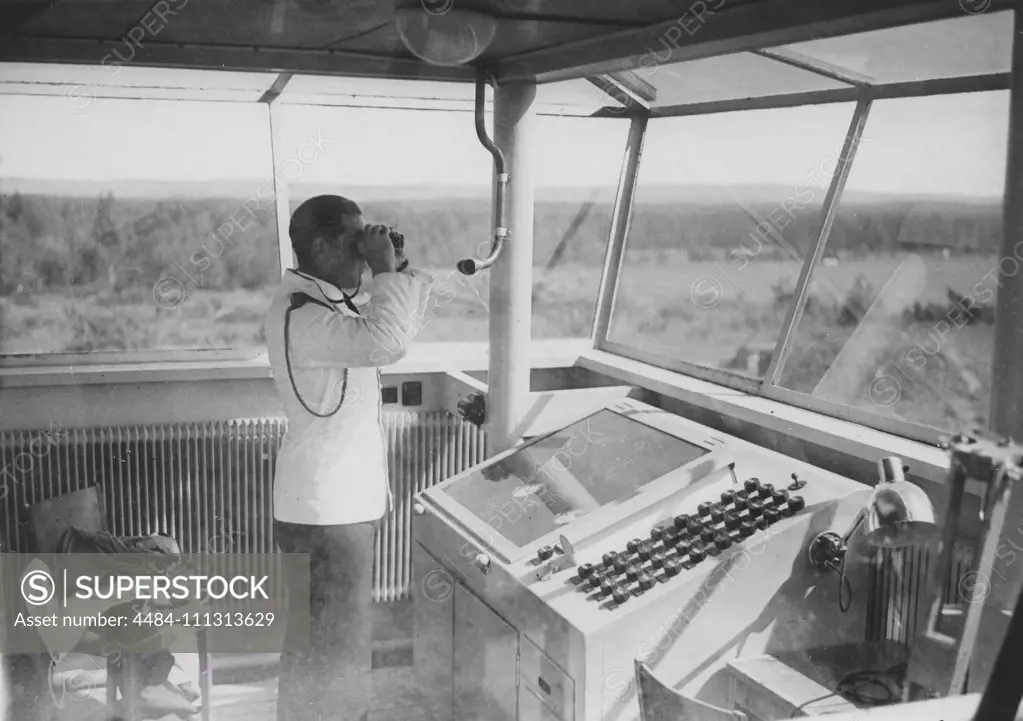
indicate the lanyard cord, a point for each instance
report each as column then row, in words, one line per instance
column 297, row 301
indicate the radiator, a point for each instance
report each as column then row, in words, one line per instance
column 210, row 485
column 898, row 579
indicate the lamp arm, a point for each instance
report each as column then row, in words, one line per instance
column 857, row 522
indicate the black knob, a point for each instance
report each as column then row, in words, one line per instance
column 645, row 551
column 646, row 582
column 632, row 572
column 785, row 510
column 707, row 535
column 586, row 570
column 756, row 508
column 722, row 541
column 766, row 490
column 609, row 559
column 697, row 554
column 669, row 538
column 740, row 504
column 727, row 497
column 620, row 595
column 703, row 509
column 672, row 567
column 656, row 533
column 607, row 585
column 681, row 521
column 761, row 523
column 633, row 545
column 683, row 548
column 731, row 522
column 620, row 565
column 657, row 560
column 751, row 484
column 544, row 552
column 779, row 497
column 694, row 527
column 772, row 515
column 796, row 503
column 717, row 515
column 595, row 580
column 746, row 529
column 742, row 495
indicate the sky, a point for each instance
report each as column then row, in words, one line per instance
column 951, row 145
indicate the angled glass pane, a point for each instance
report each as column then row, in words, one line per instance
column 574, row 97
column 82, row 84
column 727, row 77
column 959, row 47
column 900, row 316
column 726, row 208
column 134, row 226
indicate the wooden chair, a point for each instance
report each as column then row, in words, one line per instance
column 83, row 509
column 660, row 702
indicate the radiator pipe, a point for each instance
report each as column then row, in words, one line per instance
column 471, row 266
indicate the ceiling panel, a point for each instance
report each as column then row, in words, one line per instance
column 729, row 77
column 513, row 36
column 111, row 19
column 959, row 47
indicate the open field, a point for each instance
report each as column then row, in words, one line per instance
column 710, row 313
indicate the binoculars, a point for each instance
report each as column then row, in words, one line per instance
column 397, row 240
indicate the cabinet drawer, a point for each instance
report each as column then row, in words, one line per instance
column 548, row 682
column 533, row 709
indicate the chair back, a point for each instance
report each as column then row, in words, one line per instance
column 50, row 519
column 660, row 702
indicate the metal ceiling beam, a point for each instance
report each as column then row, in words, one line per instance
column 730, row 28
column 213, row 57
column 891, row 91
column 796, row 60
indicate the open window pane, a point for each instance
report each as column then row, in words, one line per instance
column 81, row 85
column 727, row 77
column 134, row 226
column 726, row 208
column 960, row 47
column 423, row 173
column 427, row 175
column 901, row 311
column 579, row 162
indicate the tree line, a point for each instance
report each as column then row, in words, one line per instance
column 52, row 243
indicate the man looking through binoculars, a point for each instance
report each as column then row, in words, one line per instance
column 327, row 340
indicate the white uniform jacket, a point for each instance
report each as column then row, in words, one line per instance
column 333, row 470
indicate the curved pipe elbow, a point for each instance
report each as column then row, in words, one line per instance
column 471, row 266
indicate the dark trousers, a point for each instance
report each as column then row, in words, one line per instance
column 331, row 680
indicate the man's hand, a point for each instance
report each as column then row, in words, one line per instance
column 376, row 247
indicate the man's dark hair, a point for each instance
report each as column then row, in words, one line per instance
column 321, row 216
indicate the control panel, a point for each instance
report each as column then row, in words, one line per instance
column 630, row 534
column 683, row 542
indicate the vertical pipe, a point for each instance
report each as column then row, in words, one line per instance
column 511, row 276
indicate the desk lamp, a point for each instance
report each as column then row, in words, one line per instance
column 897, row 515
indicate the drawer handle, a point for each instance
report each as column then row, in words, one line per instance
column 544, row 686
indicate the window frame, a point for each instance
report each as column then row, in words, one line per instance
column 767, row 387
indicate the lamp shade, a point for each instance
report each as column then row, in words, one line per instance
column 899, row 514
column 451, row 38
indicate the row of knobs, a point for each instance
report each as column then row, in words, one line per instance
column 688, row 534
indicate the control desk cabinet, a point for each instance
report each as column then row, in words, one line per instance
column 541, row 574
